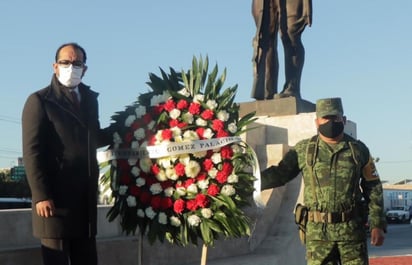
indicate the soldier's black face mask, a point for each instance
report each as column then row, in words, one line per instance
column 331, row 129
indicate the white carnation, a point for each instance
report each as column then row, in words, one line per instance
column 161, row 176
column 140, row 213
column 145, row 164
column 175, row 221
column 151, row 125
column 184, row 91
column 223, row 115
column 181, row 191
column 211, row 104
column 201, row 122
column 129, row 120
column 228, row 190
column 190, row 135
column 164, row 162
column 198, row 98
column 216, row 158
column 116, row 138
column 134, row 145
column 192, row 169
column 162, row 218
column 232, row 127
column 188, row 117
column 150, row 213
column 140, row 182
column 140, row 111
column 206, row 213
column 200, row 154
column 194, row 220
column 233, row 178
column 135, row 171
column 132, row 161
column 192, row 188
column 169, row 191
column 171, row 173
column 156, row 188
column 139, row 134
column 208, row 133
column 174, row 114
column 212, row 172
column 131, row 201
column 203, row 184
column 122, row 189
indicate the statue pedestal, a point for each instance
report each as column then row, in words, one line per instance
column 277, row 107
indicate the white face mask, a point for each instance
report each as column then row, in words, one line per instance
column 70, row 76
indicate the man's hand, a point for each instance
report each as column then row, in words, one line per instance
column 377, row 237
column 45, row 208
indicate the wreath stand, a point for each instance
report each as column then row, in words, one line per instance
column 203, row 259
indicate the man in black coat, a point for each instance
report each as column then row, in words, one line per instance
column 61, row 133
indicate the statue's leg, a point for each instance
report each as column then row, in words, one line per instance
column 292, row 28
column 265, row 61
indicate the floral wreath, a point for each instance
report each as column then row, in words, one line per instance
column 178, row 169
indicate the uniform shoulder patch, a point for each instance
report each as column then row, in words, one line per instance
column 369, row 171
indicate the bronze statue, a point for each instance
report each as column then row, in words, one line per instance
column 290, row 17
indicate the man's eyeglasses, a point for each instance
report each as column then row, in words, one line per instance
column 67, row 63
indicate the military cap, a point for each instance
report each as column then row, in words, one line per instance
column 329, row 107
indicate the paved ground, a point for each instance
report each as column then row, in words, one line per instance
column 395, row 260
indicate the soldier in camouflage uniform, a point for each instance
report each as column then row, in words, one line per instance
column 341, row 187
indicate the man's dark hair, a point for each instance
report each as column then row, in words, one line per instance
column 75, row 46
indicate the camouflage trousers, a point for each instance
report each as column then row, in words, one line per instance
column 336, row 253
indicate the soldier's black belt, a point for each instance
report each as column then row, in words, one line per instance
column 330, row 218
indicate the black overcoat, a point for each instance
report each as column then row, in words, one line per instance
column 59, row 154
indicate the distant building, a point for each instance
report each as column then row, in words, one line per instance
column 398, row 194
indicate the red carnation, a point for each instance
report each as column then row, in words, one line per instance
column 155, row 169
column 191, row 205
column 135, row 125
column 226, row 152
column 128, row 138
column 173, row 123
column 166, row 203
column 227, row 168
column 145, row 197
column 134, row 190
column 213, row 190
column 207, row 164
column 147, row 118
column 158, row 109
column 180, row 169
column 182, row 104
column 200, row 131
column 221, row 177
column 156, row 202
column 217, row 125
column 125, row 179
column 207, row 114
column 182, row 125
column 167, row 134
column 201, row 176
column 202, row 200
column 188, row 182
column 169, row 105
column 222, row 133
column 194, row 108
column 179, row 206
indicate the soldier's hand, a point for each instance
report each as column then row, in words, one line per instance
column 377, row 237
column 45, row 208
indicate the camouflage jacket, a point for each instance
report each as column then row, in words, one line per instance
column 344, row 179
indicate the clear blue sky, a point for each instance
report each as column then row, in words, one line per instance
column 358, row 50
